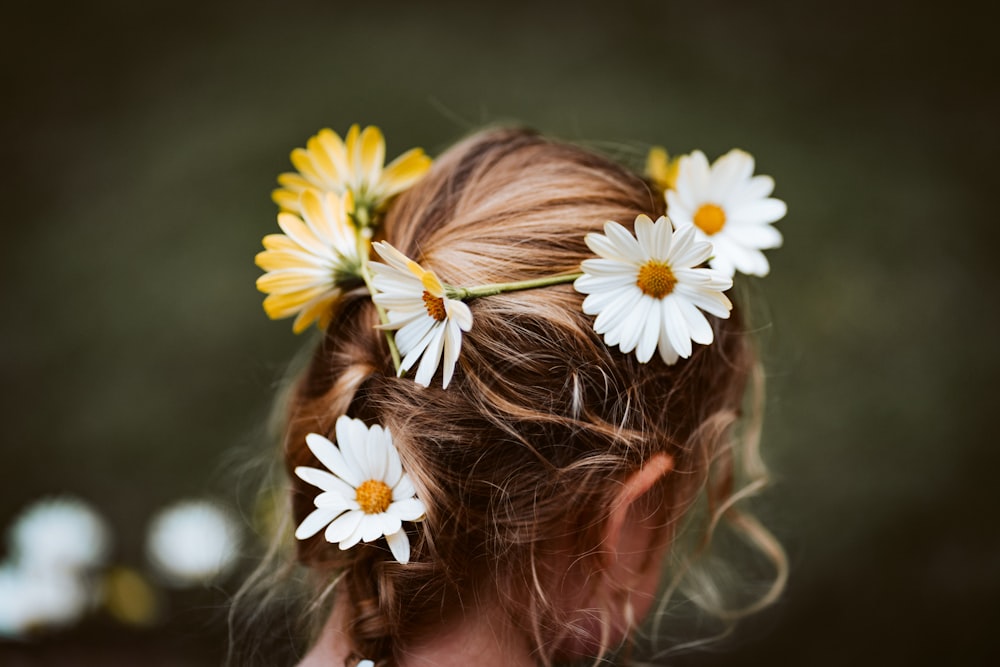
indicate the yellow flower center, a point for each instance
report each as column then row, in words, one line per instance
column 374, row 496
column 434, row 306
column 710, row 218
column 656, row 279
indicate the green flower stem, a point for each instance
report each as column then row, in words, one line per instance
column 364, row 249
column 466, row 293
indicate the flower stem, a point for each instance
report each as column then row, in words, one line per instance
column 465, row 293
column 364, row 249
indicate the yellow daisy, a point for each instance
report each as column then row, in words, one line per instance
column 355, row 164
column 660, row 169
column 309, row 264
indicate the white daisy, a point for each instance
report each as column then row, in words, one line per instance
column 428, row 323
column 730, row 207
column 645, row 290
column 307, row 265
column 367, row 496
column 60, row 534
column 193, row 542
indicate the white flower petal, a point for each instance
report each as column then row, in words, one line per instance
column 728, row 173
column 394, row 469
column 617, row 312
column 324, row 480
column 408, row 509
column 459, row 312
column 330, row 456
column 389, row 523
column 421, row 346
column 345, row 435
column 587, row 284
column 755, row 236
column 413, row 336
column 667, row 352
column 378, row 459
column 399, row 545
column 711, row 301
column 698, row 327
column 331, row 499
column 343, row 526
column 758, row 212
column 430, row 358
column 315, row 522
column 649, row 336
column 644, row 236
column 371, row 528
column 357, row 533
column 609, row 267
column 636, row 324
column 452, row 346
column 357, row 447
column 675, row 327
column 624, row 242
column 404, row 488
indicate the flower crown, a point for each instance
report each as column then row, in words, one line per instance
column 649, row 291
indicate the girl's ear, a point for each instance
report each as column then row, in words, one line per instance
column 635, row 537
column 633, row 540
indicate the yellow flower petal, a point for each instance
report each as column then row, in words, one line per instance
column 321, row 161
column 299, row 232
column 287, row 281
column 303, row 162
column 280, row 242
column 280, row 306
column 294, row 182
column 661, row 169
column 351, row 148
column 276, row 260
column 371, row 155
column 404, row 171
column 318, row 309
column 335, row 150
column 287, row 200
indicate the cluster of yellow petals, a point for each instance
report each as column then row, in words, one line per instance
column 339, row 188
column 355, row 164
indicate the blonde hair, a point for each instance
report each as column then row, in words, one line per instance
column 524, row 452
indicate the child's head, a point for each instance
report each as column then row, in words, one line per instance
column 555, row 470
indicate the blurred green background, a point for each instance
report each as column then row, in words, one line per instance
column 141, row 142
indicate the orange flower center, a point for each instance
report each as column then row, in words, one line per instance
column 710, row 218
column 434, row 306
column 374, row 496
column 656, row 279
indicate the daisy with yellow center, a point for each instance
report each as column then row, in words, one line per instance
column 365, row 495
column 355, row 164
column 308, row 266
column 427, row 322
column 647, row 290
column 730, row 207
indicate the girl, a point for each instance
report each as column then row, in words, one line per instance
column 496, row 475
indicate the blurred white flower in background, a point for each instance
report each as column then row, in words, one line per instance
column 192, row 542
column 60, row 534
column 57, row 545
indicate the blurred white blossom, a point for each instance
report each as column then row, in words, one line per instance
column 192, row 542
column 60, row 534
column 32, row 600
